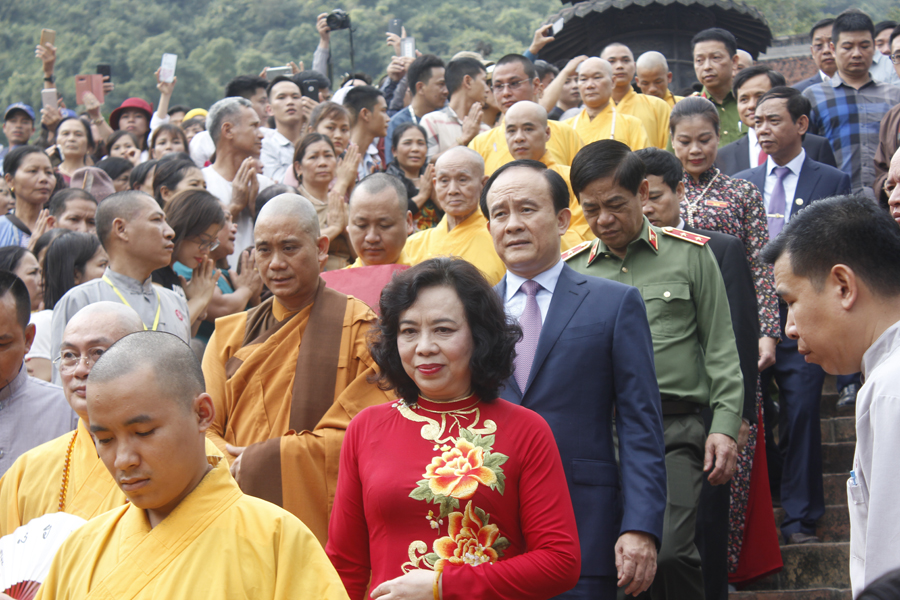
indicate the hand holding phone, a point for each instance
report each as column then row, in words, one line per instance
column 88, row 83
column 273, row 72
column 48, row 36
column 408, row 47
column 395, row 26
column 167, row 68
column 48, row 97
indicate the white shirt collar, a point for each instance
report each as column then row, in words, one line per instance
column 680, row 223
column 546, row 279
column 794, row 165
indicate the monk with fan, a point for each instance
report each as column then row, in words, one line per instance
column 287, row 376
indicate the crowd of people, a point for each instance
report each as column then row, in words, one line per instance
column 588, row 319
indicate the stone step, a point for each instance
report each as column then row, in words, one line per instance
column 836, row 488
column 834, row 526
column 828, row 406
column 810, row 566
column 837, row 457
column 838, row 429
column 819, row 594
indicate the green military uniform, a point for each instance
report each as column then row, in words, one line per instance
column 731, row 128
column 696, row 365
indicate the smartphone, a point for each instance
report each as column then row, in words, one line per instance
column 273, row 72
column 48, row 36
column 408, row 47
column 48, row 97
column 88, row 83
column 104, row 70
column 558, row 25
column 167, row 68
column 395, row 26
column 310, row 90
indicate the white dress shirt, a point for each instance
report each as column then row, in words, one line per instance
column 515, row 297
column 790, row 183
column 754, row 148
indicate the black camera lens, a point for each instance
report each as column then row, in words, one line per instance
column 338, row 19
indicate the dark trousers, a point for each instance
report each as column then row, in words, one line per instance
column 799, row 435
column 712, row 532
column 592, row 588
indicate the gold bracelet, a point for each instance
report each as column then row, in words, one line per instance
column 98, row 120
column 437, row 586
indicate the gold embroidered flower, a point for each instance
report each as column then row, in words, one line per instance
column 458, row 471
column 468, row 541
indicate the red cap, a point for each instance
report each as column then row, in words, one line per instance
column 137, row 103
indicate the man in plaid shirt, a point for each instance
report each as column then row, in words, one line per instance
column 849, row 108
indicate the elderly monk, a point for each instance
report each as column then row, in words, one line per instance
column 287, row 376
column 599, row 119
column 149, row 413
column 527, row 133
column 378, row 225
column 458, row 180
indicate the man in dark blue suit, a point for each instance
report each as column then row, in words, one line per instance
column 822, row 54
column 592, row 354
column 789, row 182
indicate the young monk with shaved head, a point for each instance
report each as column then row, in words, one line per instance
column 188, row 529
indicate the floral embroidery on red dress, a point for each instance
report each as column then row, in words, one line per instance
column 465, row 461
column 736, row 207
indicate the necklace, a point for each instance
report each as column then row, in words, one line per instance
column 692, row 204
column 465, row 396
column 65, row 474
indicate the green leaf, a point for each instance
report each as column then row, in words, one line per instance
column 501, row 544
column 483, row 516
column 467, row 435
column 448, row 505
column 432, row 557
column 422, row 492
column 487, row 442
column 493, row 460
column 501, row 482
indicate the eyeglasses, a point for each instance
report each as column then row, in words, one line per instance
column 68, row 360
column 895, row 58
column 512, row 85
column 209, row 245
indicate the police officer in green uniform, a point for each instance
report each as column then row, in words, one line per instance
column 693, row 341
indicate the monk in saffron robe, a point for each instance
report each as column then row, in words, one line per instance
column 287, row 376
column 188, row 531
column 458, row 179
column 66, row 474
column 599, row 119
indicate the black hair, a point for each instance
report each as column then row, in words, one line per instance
column 716, row 34
column 819, row 25
column 178, row 108
column 201, row 121
column 87, row 132
column 60, row 199
column 140, row 173
column 494, row 335
column 115, row 166
column 542, row 67
column 117, row 135
column 263, row 197
column 169, row 174
column 174, row 129
column 879, row 27
column 244, row 86
column 191, row 212
column 662, row 164
column 606, row 158
column 776, row 79
column 46, row 239
column 693, row 106
column 66, row 255
column 327, row 110
column 849, row 230
column 280, row 79
column 421, row 70
column 314, row 77
column 360, row 97
column 358, row 75
column 457, row 70
column 10, row 283
column 851, row 20
column 308, row 140
column 559, row 191
column 11, row 256
column 797, row 104
column 16, row 156
column 399, row 130
column 527, row 65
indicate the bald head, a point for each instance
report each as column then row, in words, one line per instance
column 595, row 63
column 527, row 130
column 377, row 183
column 462, row 155
column 379, row 220
column 112, row 320
column 173, row 364
column 653, row 76
column 744, row 60
column 125, row 205
column 595, row 84
column 652, row 60
column 291, row 205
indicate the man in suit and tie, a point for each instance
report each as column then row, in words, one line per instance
column 593, row 355
column 746, row 153
column 822, row 54
column 790, row 181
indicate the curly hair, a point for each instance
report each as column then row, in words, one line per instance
column 494, row 335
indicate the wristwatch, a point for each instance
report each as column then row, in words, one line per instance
column 50, row 79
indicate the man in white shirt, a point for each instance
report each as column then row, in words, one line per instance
column 234, row 178
column 836, row 268
column 460, row 121
column 285, row 105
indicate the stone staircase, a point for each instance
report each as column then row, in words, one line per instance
column 819, row 571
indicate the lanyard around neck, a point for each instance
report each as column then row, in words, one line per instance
column 107, row 281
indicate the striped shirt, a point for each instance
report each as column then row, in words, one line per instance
column 851, row 119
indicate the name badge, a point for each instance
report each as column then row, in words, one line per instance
column 716, row 204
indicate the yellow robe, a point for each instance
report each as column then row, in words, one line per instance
column 563, row 144
column 217, row 543
column 672, row 99
column 578, row 231
column 31, row 487
column 470, row 240
column 629, row 130
column 653, row 113
column 254, row 405
column 403, row 259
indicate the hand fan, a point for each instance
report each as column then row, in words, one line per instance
column 26, row 553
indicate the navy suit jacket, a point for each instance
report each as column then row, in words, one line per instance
column 594, row 355
column 735, row 157
column 816, row 181
column 802, row 85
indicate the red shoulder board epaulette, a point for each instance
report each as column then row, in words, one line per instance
column 575, row 250
column 687, row 236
